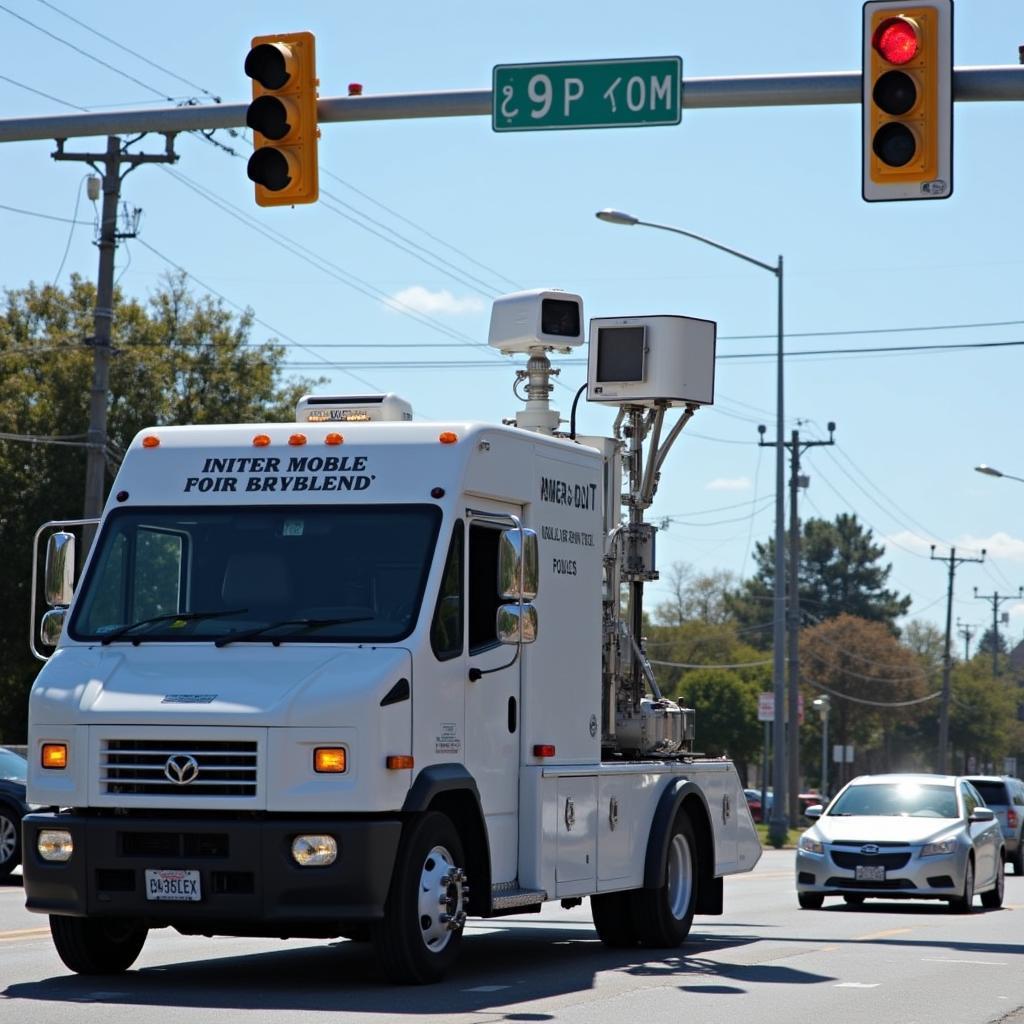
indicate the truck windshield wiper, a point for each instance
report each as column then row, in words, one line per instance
column 170, row 617
column 305, row 624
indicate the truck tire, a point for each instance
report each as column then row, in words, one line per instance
column 613, row 918
column 420, row 935
column 662, row 917
column 10, row 840
column 97, row 945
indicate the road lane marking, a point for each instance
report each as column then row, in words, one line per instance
column 857, row 984
column 871, row 936
column 487, row 988
column 24, row 933
column 979, row 963
column 763, row 874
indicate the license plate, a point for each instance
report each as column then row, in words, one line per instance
column 869, row 873
column 172, row 884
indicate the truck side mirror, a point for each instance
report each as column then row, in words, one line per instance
column 518, row 559
column 59, row 579
column 516, row 624
column 51, row 626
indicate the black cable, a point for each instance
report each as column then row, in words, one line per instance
column 572, row 414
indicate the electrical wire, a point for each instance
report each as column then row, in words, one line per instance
column 74, row 222
column 875, row 703
column 45, row 95
column 134, row 53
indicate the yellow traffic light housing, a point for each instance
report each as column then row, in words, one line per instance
column 907, row 100
column 282, row 117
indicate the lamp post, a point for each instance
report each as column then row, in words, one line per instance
column 990, row 471
column 778, row 826
column 823, row 704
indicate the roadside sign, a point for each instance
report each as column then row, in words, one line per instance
column 841, row 754
column 639, row 92
column 766, row 706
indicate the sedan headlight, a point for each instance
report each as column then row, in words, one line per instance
column 943, row 846
column 809, row 845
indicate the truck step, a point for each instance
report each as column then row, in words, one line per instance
column 506, row 895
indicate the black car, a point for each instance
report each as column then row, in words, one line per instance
column 13, row 773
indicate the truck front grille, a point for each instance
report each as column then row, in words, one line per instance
column 194, row 768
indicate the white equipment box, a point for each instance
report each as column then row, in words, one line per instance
column 644, row 360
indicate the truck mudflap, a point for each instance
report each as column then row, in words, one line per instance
column 238, row 876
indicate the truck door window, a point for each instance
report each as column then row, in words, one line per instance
column 446, row 626
column 483, row 586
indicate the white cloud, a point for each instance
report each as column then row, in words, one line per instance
column 998, row 545
column 738, row 483
column 907, row 541
column 422, row 300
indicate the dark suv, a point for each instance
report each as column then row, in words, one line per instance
column 1005, row 795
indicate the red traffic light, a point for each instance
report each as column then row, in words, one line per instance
column 897, row 40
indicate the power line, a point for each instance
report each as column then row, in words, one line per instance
column 45, row 95
column 134, row 53
column 46, row 216
column 85, row 53
column 872, row 330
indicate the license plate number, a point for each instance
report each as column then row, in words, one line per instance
column 172, row 884
column 869, row 873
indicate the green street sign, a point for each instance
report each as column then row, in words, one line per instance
column 587, row 94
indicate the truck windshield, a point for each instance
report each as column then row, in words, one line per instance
column 357, row 574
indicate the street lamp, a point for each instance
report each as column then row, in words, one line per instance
column 823, row 704
column 991, row 471
column 778, row 825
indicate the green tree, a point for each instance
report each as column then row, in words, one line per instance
column 840, row 574
column 870, row 677
column 726, row 706
column 693, row 595
column 178, row 358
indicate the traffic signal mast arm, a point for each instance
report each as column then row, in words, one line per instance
column 999, row 83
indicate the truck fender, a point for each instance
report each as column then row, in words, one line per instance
column 452, row 790
column 677, row 793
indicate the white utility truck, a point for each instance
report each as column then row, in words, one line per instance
column 362, row 675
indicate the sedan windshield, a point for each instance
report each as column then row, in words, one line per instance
column 897, row 799
column 320, row 574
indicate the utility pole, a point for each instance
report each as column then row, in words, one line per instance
column 967, row 630
column 997, row 599
column 942, row 765
column 107, row 164
column 796, row 481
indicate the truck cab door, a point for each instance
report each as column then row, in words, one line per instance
column 492, row 700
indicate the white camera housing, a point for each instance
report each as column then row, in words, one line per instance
column 540, row 318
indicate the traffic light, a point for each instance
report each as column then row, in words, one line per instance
column 907, row 100
column 282, row 116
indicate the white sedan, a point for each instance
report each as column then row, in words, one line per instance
column 902, row 837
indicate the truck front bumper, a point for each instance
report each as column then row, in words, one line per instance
column 249, row 883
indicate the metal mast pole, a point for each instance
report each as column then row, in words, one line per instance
column 793, row 628
column 997, row 599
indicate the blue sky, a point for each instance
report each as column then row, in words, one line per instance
column 492, row 212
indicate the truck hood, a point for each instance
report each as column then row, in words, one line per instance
column 247, row 684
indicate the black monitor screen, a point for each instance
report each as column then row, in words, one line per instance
column 620, row 353
column 560, row 317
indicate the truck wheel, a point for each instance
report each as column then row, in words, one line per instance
column 662, row 916
column 97, row 945
column 419, row 938
column 613, row 919
column 10, row 840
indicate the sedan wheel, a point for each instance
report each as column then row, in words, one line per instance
column 10, row 841
column 962, row 904
column 993, row 898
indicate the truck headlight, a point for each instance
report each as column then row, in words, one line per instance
column 314, row 851
column 55, row 844
column 943, row 846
